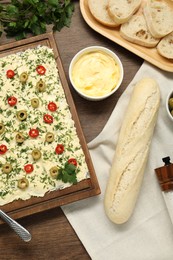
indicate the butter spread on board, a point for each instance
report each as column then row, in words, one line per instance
column 95, row 73
column 52, row 153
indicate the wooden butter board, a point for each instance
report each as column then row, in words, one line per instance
column 149, row 54
column 83, row 189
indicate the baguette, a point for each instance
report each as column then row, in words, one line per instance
column 159, row 17
column 132, row 151
column 165, row 46
column 122, row 10
column 136, row 31
column 98, row 9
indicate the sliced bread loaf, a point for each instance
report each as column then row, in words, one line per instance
column 98, row 9
column 136, row 31
column 159, row 17
column 122, row 10
column 165, row 46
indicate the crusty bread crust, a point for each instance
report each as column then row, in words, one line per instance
column 132, row 151
column 165, row 46
column 122, row 10
column 136, row 31
column 159, row 18
column 98, row 9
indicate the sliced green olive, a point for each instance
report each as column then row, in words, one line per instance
column 2, row 128
column 41, row 86
column 36, row 154
column 20, row 138
column 22, row 115
column 54, row 172
column 23, row 183
column 49, row 137
column 6, row 168
column 34, row 102
column 23, row 77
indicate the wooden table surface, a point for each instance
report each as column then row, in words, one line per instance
column 52, row 235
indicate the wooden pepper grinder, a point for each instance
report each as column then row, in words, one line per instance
column 165, row 177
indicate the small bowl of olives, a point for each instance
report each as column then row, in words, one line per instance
column 169, row 105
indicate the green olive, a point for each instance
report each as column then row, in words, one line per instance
column 6, row 168
column 41, row 86
column 49, row 137
column 36, row 154
column 23, row 183
column 23, row 77
column 54, row 172
column 34, row 102
column 22, row 115
column 2, row 128
column 170, row 103
column 171, row 112
column 20, row 138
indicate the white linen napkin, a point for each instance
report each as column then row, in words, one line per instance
column 148, row 235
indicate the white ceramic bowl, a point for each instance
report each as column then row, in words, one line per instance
column 170, row 95
column 89, row 50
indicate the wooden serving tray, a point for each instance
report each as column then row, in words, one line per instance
column 149, row 54
column 81, row 190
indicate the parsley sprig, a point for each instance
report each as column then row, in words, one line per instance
column 67, row 173
column 18, row 17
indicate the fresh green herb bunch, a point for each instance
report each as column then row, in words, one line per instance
column 18, row 17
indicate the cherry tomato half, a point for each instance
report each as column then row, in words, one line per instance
column 28, row 168
column 48, row 119
column 10, row 74
column 41, row 70
column 72, row 161
column 52, row 106
column 59, row 149
column 3, row 148
column 12, row 101
column 33, row 133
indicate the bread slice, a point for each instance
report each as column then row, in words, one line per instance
column 159, row 17
column 132, row 151
column 136, row 31
column 122, row 10
column 165, row 46
column 98, row 9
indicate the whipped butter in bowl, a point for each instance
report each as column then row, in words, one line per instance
column 96, row 73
